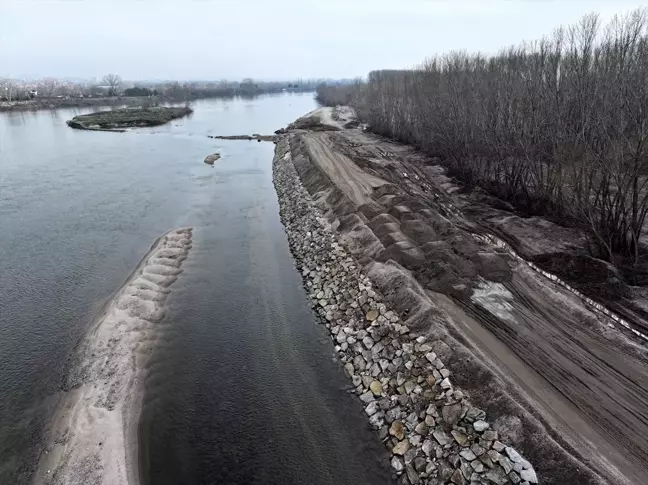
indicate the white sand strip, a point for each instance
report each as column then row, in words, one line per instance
column 93, row 438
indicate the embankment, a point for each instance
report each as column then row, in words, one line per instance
column 93, row 437
column 440, row 328
column 434, row 432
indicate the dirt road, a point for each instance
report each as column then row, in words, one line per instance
column 570, row 385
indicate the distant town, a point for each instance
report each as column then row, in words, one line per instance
column 112, row 85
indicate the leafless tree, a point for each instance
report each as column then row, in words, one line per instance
column 8, row 89
column 558, row 126
column 47, row 86
column 113, row 82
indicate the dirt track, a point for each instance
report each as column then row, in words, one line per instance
column 586, row 382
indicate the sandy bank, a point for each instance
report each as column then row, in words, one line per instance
column 93, row 437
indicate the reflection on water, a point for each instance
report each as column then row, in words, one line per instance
column 78, row 210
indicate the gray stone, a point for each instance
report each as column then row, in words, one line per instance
column 441, row 437
column 481, row 426
column 506, row 464
column 421, row 429
column 409, row 456
column 467, row 454
column 529, row 476
column 445, row 384
column 514, row 477
column 359, row 362
column 513, row 455
column 377, row 420
column 457, row 478
column 393, row 414
column 431, row 357
column 477, row 465
column 368, row 342
column 428, row 447
column 498, row 446
column 490, row 435
column 348, row 369
column 451, row 414
column 397, row 464
column 419, row 464
column 494, row 455
column 412, row 475
column 445, row 471
column 486, row 460
column 475, row 414
column 477, row 450
column 466, row 469
column 372, row 408
column 496, row 476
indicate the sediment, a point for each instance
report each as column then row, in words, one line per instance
column 434, row 433
column 93, row 437
column 119, row 119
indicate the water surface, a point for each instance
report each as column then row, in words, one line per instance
column 242, row 387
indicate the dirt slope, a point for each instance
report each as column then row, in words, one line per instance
column 570, row 385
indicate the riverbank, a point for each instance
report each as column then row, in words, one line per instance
column 93, row 437
column 434, row 433
column 120, row 119
column 509, row 330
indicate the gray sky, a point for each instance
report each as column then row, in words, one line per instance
column 264, row 39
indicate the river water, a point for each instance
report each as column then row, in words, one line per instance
column 242, row 386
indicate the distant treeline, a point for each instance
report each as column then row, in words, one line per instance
column 247, row 87
column 556, row 127
column 112, row 85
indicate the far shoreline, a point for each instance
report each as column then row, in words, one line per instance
column 40, row 104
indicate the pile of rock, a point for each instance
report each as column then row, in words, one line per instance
column 433, row 432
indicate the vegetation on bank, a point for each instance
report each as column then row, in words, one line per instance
column 128, row 117
column 557, row 127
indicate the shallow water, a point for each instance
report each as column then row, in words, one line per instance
column 242, row 387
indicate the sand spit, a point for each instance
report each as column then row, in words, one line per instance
column 93, row 438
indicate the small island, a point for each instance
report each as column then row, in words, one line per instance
column 119, row 119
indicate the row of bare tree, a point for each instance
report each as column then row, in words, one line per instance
column 555, row 126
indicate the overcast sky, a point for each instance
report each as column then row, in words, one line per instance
column 263, row 39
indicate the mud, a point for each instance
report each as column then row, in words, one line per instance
column 568, row 382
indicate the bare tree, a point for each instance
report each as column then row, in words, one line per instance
column 558, row 126
column 8, row 89
column 112, row 81
column 48, row 86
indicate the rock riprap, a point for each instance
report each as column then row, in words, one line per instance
column 434, row 433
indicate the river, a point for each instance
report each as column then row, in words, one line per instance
column 242, row 386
